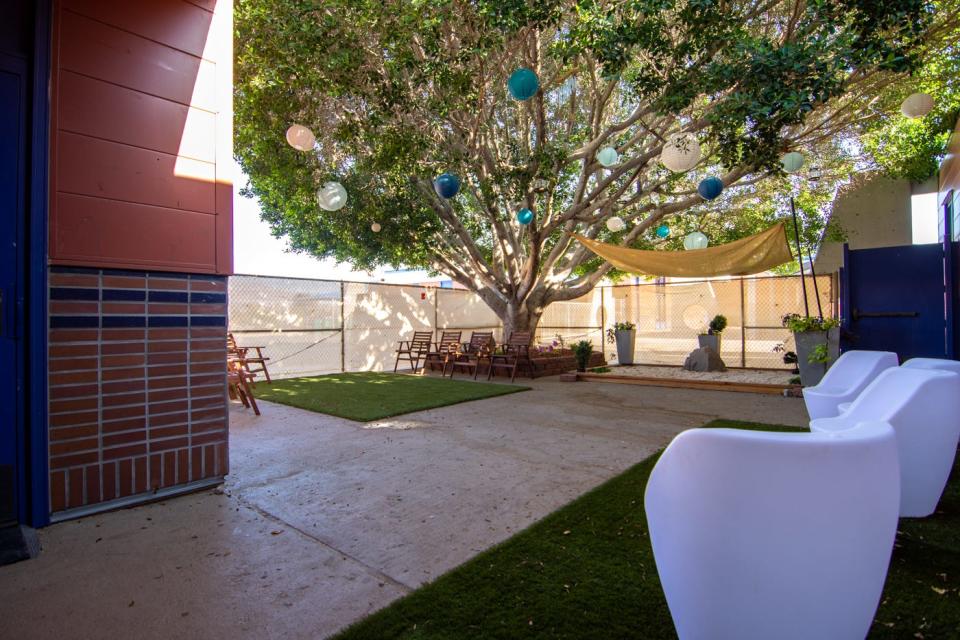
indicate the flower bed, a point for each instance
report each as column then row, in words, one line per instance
column 546, row 364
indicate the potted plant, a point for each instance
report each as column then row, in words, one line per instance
column 582, row 352
column 818, row 344
column 624, row 334
column 712, row 337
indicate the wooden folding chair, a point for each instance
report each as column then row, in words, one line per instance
column 514, row 352
column 442, row 352
column 243, row 354
column 238, row 384
column 472, row 354
column 414, row 350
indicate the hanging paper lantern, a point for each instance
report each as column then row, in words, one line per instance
column 710, row 188
column 523, row 84
column 917, row 105
column 375, row 227
column 300, row 138
column 608, row 156
column 446, row 185
column 616, row 224
column 524, row 216
column 663, row 231
column 695, row 240
column 792, row 161
column 332, row 196
column 681, row 152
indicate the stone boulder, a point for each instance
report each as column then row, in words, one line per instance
column 704, row 359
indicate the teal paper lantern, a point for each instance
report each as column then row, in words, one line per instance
column 792, row 161
column 523, row 84
column 524, row 216
column 663, row 231
column 446, row 185
column 608, row 156
column 710, row 188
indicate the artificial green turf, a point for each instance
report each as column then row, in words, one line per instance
column 587, row 571
column 371, row 396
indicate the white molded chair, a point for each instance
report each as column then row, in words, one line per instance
column 933, row 363
column 844, row 381
column 923, row 407
column 774, row 535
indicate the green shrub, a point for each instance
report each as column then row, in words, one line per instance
column 800, row 324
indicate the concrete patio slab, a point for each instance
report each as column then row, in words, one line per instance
column 323, row 520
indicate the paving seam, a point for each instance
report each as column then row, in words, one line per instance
column 373, row 571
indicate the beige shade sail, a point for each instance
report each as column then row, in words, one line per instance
column 746, row 256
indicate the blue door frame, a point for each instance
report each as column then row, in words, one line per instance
column 14, row 102
column 24, row 270
column 36, row 500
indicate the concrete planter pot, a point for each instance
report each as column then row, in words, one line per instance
column 626, row 343
column 711, row 340
column 807, row 341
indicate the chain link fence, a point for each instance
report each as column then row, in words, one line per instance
column 311, row 327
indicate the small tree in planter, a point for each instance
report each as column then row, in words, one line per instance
column 582, row 352
column 818, row 344
column 624, row 334
column 712, row 337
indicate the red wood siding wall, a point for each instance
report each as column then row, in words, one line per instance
column 141, row 135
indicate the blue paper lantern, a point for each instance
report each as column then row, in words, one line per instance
column 446, row 185
column 524, row 216
column 710, row 188
column 663, row 231
column 523, row 83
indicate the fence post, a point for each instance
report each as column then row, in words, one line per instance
column 436, row 311
column 603, row 316
column 743, row 326
column 343, row 329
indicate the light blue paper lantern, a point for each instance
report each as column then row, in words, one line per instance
column 524, row 216
column 792, row 161
column 523, row 84
column 710, row 188
column 608, row 156
column 695, row 240
column 446, row 185
column 663, row 231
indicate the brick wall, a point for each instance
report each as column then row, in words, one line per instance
column 137, row 383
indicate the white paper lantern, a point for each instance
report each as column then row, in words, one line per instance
column 616, row 224
column 332, row 196
column 375, row 227
column 917, row 105
column 608, row 156
column 300, row 138
column 695, row 240
column 792, row 162
column 681, row 152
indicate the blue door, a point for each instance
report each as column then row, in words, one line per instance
column 894, row 300
column 13, row 172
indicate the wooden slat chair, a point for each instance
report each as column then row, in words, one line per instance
column 513, row 353
column 444, row 351
column 414, row 350
column 238, row 384
column 472, row 354
column 247, row 359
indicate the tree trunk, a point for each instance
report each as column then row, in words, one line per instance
column 519, row 317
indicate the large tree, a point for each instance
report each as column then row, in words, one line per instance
column 399, row 91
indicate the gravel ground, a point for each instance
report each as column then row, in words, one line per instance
column 761, row 376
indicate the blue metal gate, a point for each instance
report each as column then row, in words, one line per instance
column 894, row 299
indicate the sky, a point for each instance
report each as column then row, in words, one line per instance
column 257, row 252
